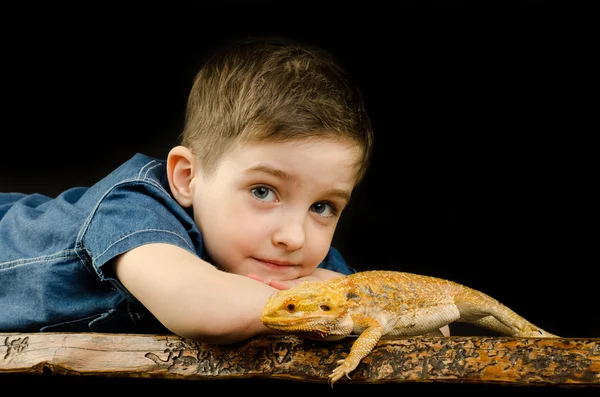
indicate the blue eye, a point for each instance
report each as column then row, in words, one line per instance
column 264, row 193
column 324, row 209
column 260, row 192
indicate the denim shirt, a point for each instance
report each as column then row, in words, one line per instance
column 53, row 251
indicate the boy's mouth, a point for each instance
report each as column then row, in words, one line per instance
column 274, row 264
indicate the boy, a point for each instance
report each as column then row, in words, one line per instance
column 275, row 140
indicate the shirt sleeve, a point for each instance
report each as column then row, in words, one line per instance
column 334, row 261
column 131, row 215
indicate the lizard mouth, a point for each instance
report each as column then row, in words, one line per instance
column 310, row 330
column 310, row 324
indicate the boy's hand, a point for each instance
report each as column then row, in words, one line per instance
column 318, row 275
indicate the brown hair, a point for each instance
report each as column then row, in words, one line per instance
column 272, row 89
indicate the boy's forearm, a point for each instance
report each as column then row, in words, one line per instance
column 191, row 297
column 234, row 312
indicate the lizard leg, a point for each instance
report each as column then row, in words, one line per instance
column 491, row 323
column 484, row 311
column 362, row 346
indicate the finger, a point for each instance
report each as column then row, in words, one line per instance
column 280, row 284
column 260, row 279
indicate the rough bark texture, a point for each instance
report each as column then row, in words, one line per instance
column 566, row 362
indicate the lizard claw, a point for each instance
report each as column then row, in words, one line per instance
column 340, row 371
column 334, row 377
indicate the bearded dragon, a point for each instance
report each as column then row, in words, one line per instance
column 375, row 304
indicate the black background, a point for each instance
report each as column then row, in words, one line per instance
column 484, row 116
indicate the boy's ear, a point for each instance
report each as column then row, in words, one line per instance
column 180, row 172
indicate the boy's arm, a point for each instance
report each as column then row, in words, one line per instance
column 191, row 297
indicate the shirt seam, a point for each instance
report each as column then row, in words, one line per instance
column 64, row 254
column 94, row 259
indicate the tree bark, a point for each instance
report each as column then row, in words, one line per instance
column 568, row 362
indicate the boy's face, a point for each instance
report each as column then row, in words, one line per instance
column 271, row 209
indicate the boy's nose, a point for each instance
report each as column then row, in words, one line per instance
column 290, row 234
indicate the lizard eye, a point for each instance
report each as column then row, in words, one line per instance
column 290, row 307
column 325, row 308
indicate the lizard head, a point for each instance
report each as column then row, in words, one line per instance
column 311, row 309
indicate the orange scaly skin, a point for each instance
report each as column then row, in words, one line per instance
column 374, row 304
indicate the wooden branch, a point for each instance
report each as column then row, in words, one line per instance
column 568, row 362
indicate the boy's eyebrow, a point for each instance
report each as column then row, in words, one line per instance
column 289, row 177
column 344, row 195
column 269, row 170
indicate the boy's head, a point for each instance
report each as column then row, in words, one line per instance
column 275, row 140
column 262, row 90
